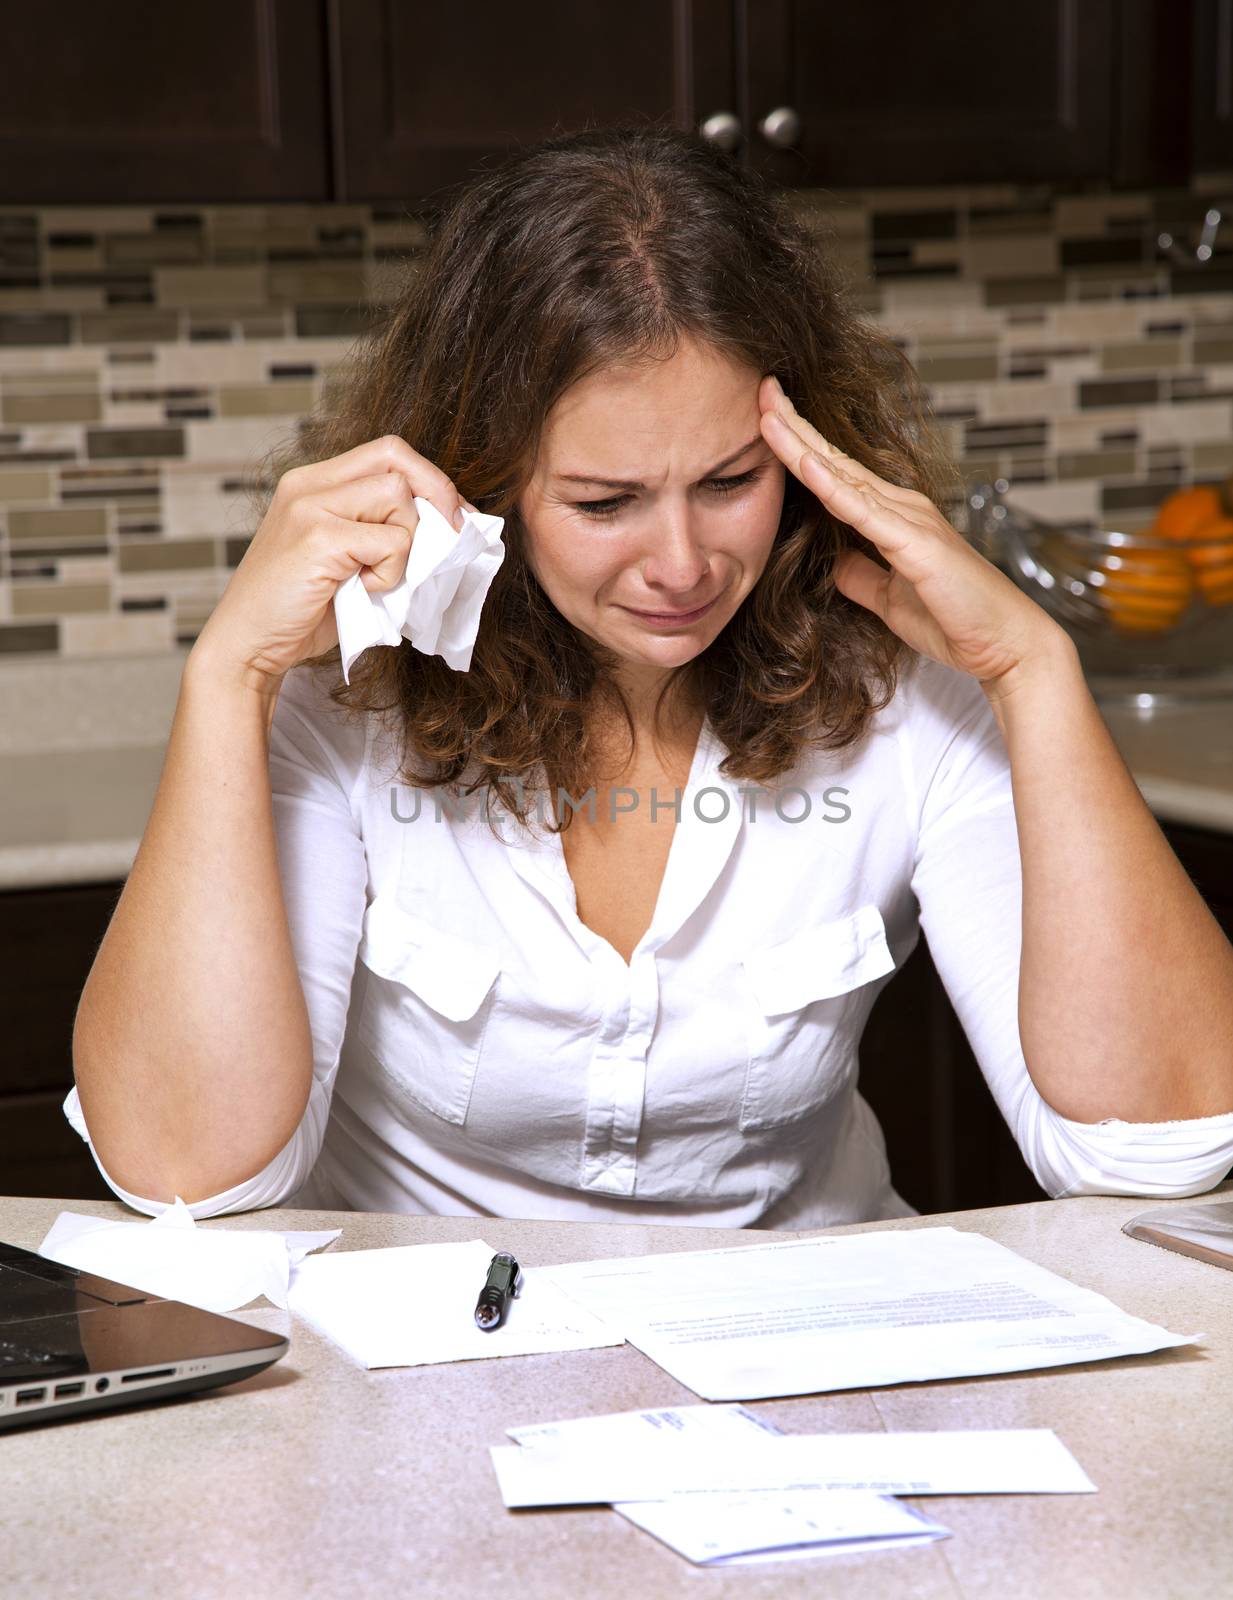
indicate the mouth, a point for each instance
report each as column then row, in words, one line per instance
column 671, row 618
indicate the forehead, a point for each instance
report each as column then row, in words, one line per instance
column 618, row 422
column 692, row 371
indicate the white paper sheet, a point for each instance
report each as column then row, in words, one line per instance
column 437, row 602
column 970, row 1461
column 731, row 1529
column 853, row 1311
column 215, row 1268
column 410, row 1305
column 614, row 1429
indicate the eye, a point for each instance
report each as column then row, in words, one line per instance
column 720, row 486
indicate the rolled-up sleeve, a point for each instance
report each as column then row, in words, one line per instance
column 968, row 884
column 316, row 762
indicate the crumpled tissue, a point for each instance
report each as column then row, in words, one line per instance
column 437, row 603
column 217, row 1269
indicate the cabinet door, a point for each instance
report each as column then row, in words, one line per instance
column 152, row 102
column 897, row 92
column 48, row 941
column 1158, row 73
column 426, row 95
column 1213, row 86
column 1207, row 856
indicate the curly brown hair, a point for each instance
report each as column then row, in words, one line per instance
column 591, row 250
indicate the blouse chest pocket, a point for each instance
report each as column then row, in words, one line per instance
column 805, row 1014
column 427, row 1006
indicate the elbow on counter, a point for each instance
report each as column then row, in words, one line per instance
column 274, row 1183
column 1159, row 1160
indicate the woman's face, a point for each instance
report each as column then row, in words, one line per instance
column 688, row 522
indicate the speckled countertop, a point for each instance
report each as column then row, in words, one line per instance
column 317, row 1478
column 81, row 750
column 1181, row 757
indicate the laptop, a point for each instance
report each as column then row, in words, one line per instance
column 72, row 1342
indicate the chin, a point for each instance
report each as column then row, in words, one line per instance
column 668, row 650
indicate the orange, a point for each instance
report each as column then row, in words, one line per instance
column 1204, row 511
column 1184, row 513
column 1213, row 563
column 1145, row 591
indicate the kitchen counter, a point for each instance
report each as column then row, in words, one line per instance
column 1181, row 757
column 82, row 744
column 318, row 1478
column 74, row 817
column 81, row 750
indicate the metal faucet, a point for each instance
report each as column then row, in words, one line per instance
column 985, row 511
column 1207, row 241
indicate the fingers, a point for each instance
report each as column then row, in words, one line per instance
column 390, row 454
column 776, row 404
column 917, row 547
column 365, row 546
column 853, row 500
column 375, row 497
column 890, row 517
column 367, row 522
column 864, row 581
column 856, row 503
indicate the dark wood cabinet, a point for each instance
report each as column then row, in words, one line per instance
column 425, row 96
column 1172, row 90
column 811, row 93
column 150, row 102
column 1208, row 859
column 388, row 100
column 895, row 92
column 48, row 941
column 1135, row 93
column 1211, row 119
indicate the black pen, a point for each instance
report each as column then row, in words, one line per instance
column 503, row 1282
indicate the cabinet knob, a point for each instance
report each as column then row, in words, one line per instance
column 722, row 128
column 781, row 127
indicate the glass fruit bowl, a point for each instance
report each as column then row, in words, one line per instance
column 1152, row 618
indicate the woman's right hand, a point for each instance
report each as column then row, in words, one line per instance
column 327, row 520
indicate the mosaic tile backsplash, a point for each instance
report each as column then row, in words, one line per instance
column 149, row 356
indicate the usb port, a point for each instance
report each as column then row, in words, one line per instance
column 137, row 1377
column 27, row 1397
column 64, row 1390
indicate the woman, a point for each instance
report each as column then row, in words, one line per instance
column 320, row 986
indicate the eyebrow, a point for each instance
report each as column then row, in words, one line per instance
column 625, row 483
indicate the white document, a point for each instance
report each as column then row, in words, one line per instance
column 215, row 1268
column 727, row 1529
column 969, row 1461
column 851, row 1312
column 633, row 1429
column 730, row 1529
column 410, row 1305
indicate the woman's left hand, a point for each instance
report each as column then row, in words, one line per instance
column 941, row 595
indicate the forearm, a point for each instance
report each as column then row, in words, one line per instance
column 191, row 1046
column 1126, row 980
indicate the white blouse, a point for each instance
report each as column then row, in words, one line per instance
column 489, row 1054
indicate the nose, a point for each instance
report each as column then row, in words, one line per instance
column 676, row 563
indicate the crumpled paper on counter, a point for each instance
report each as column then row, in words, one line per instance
column 217, row 1269
column 437, row 603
